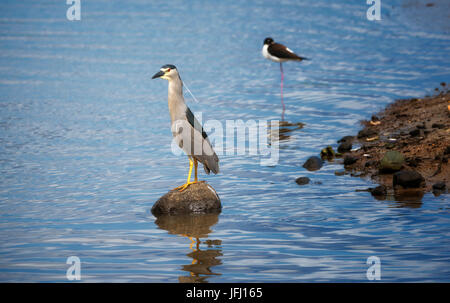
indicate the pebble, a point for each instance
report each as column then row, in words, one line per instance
column 344, row 147
column 302, row 180
column 349, row 160
column 366, row 132
column 313, row 163
column 439, row 186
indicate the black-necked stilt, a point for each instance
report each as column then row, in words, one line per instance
column 279, row 53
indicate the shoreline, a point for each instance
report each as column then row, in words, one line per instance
column 405, row 147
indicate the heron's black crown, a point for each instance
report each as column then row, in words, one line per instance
column 171, row 66
column 268, row 40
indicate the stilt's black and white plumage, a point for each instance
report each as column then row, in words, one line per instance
column 277, row 52
column 187, row 130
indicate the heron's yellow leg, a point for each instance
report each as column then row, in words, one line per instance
column 188, row 182
column 195, row 165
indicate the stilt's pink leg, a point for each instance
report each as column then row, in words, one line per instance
column 282, row 102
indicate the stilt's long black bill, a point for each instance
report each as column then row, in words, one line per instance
column 158, row 74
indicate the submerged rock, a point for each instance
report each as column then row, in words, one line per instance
column 313, row 163
column 408, row 179
column 302, row 180
column 339, row 172
column 392, row 161
column 378, row 191
column 196, row 198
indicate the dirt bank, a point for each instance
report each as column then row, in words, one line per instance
column 418, row 133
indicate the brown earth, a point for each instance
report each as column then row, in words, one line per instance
column 417, row 128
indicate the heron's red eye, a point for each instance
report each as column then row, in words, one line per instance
column 168, row 70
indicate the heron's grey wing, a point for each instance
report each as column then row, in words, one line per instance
column 207, row 156
column 194, row 123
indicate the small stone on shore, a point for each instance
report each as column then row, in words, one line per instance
column 408, row 179
column 447, row 150
column 438, row 125
column 439, row 186
column 415, row 132
column 392, row 161
column 349, row 160
column 344, row 147
column 366, row 132
column 346, row 139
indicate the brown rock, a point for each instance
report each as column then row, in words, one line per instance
column 349, row 160
column 408, row 179
column 302, row 180
column 197, row 198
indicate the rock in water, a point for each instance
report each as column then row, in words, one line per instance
column 313, row 163
column 378, row 191
column 344, row 147
column 302, row 180
column 392, row 161
column 408, row 179
column 196, row 198
column 327, row 153
column 439, row 186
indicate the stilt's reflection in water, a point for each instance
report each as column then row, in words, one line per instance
column 285, row 129
column 195, row 227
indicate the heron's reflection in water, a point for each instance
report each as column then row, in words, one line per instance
column 195, row 227
column 282, row 129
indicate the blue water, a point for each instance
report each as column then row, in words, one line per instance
column 85, row 140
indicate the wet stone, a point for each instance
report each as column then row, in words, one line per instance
column 408, row 179
column 196, row 198
column 313, row 163
column 302, row 180
column 366, row 132
column 345, row 147
column 346, row 139
column 349, row 160
column 378, row 191
column 439, row 186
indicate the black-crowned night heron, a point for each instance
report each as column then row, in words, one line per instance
column 279, row 53
column 186, row 129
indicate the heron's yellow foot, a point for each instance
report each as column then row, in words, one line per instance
column 184, row 186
